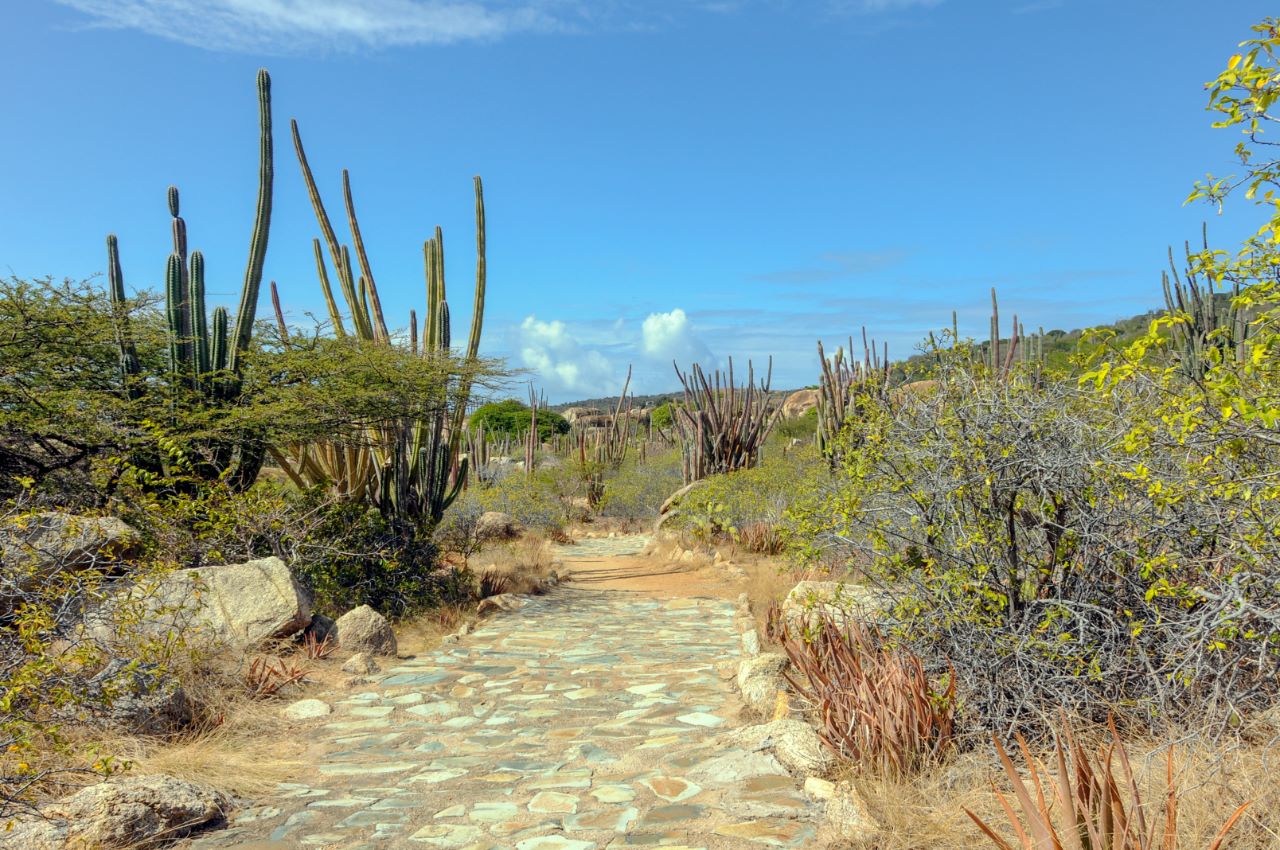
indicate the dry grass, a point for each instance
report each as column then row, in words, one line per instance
column 247, row 755
column 424, row 632
column 768, row 582
column 928, row 810
column 519, row 565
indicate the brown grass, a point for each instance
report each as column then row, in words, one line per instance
column 247, row 755
column 518, row 566
column 927, row 811
column 424, row 632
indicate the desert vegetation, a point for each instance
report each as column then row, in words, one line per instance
column 1059, row 549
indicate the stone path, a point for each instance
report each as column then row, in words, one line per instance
column 583, row 721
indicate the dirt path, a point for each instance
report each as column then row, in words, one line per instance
column 582, row 721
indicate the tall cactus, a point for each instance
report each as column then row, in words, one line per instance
column 416, row 469
column 844, row 387
column 201, row 356
column 1207, row 321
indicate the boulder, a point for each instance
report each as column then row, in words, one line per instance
column 59, row 541
column 793, row 742
column 809, row 600
column 137, row 698
column 494, row 525
column 365, row 630
column 750, row 642
column 799, row 403
column 760, row 679
column 237, row 606
column 572, row 414
column 847, row 819
column 132, row 812
column 37, row 547
column 361, row 663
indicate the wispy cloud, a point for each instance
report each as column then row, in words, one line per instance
column 296, row 25
column 1037, row 6
column 836, row 266
column 871, row 7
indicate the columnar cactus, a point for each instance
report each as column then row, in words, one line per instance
column 202, row 359
column 415, row 470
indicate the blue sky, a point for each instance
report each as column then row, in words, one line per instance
column 690, row 180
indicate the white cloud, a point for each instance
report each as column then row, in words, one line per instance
column 297, row 25
column 670, row 336
column 562, row 364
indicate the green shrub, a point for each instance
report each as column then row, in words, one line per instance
column 511, row 418
column 543, row 501
column 747, row 497
column 637, row 490
column 802, row 427
column 662, row 416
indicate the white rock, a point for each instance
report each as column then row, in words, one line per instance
column 808, row 600
column 794, row 742
column 238, row 605
column 306, row 709
column 750, row 642
column 819, row 788
column 760, row 679
column 847, row 818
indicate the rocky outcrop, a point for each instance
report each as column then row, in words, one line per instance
column 134, row 812
column 799, row 403
column 365, row 630
column 793, row 742
column 237, row 606
column 37, row 547
column 809, row 600
column 494, row 525
column 137, row 698
column 760, row 679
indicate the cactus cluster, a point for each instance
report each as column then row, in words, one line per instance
column 206, row 356
column 1206, row 321
column 721, row 425
column 845, row 386
column 413, row 470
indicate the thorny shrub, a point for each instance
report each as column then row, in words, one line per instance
column 1099, row 546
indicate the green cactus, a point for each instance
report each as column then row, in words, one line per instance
column 416, row 471
column 201, row 358
column 1207, row 320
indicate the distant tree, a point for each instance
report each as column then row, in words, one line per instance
column 510, row 417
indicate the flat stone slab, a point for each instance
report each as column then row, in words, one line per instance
column 584, row 720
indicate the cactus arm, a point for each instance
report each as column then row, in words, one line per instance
column 199, row 328
column 378, row 322
column 130, row 365
column 218, row 340
column 261, row 226
column 175, row 307
column 477, row 313
column 279, row 311
column 323, row 272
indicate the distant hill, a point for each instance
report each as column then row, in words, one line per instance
column 1058, row 345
